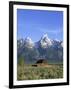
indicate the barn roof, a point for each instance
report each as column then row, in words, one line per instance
column 41, row 61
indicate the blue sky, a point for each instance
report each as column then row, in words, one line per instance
column 35, row 23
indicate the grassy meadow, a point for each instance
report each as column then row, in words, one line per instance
column 49, row 71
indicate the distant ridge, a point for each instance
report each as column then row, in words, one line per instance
column 46, row 48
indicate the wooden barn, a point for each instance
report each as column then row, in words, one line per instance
column 40, row 62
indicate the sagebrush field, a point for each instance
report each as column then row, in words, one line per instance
column 29, row 72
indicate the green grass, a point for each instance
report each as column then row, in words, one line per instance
column 29, row 72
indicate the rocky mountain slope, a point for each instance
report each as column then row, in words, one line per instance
column 51, row 50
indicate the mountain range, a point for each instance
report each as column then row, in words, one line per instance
column 45, row 48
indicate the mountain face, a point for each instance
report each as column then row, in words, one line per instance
column 28, row 43
column 51, row 50
column 45, row 41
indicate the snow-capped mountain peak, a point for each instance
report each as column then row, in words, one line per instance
column 28, row 43
column 28, row 39
column 45, row 48
column 45, row 36
column 45, row 41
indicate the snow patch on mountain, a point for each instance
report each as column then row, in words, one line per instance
column 45, row 41
column 28, row 43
